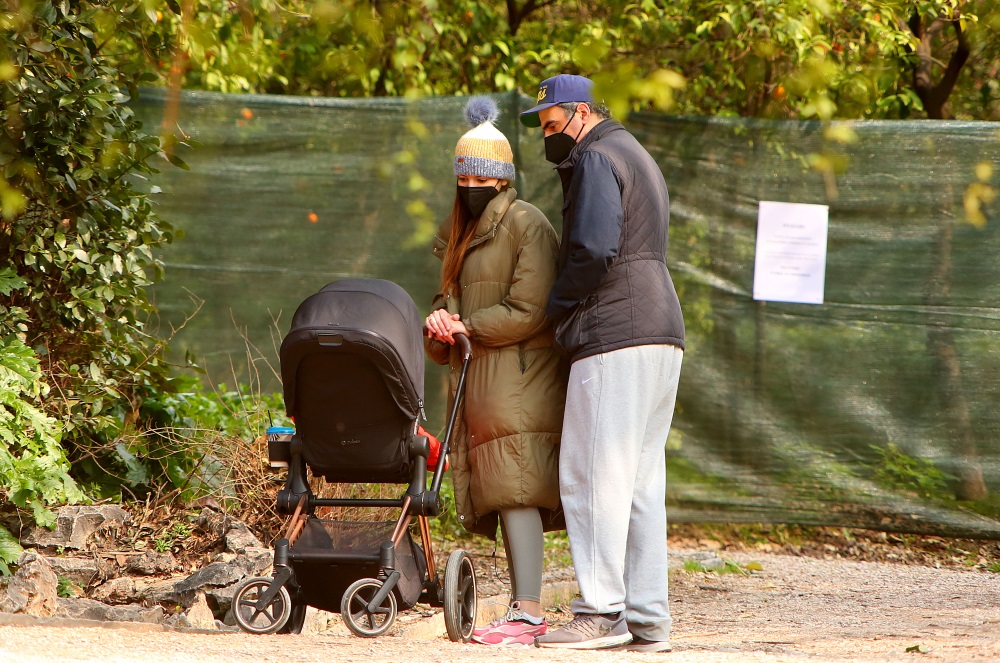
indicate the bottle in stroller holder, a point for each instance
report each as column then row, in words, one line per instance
column 352, row 375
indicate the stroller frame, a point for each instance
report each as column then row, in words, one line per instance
column 369, row 606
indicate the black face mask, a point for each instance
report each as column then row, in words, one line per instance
column 559, row 145
column 476, row 198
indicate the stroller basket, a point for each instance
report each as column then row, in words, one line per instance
column 330, row 555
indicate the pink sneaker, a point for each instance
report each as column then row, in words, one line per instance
column 512, row 629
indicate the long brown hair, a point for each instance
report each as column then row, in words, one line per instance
column 463, row 227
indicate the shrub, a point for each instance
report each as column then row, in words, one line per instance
column 77, row 233
column 34, row 471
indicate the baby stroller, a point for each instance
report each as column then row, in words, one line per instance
column 352, row 371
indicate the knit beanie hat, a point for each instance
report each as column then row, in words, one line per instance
column 483, row 151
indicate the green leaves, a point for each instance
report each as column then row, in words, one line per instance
column 78, row 240
column 10, row 550
column 797, row 58
column 10, row 281
column 34, row 470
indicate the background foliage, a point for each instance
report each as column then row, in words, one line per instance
column 77, row 238
column 762, row 58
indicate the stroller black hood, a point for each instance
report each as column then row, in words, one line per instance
column 377, row 314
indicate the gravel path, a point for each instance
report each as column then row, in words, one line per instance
column 794, row 609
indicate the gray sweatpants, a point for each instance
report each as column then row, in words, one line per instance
column 613, row 479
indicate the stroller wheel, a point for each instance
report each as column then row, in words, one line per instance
column 360, row 615
column 297, row 618
column 264, row 619
column 460, row 600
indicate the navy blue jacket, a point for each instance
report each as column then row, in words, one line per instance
column 613, row 289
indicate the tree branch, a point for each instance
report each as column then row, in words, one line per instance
column 957, row 61
column 935, row 95
column 516, row 15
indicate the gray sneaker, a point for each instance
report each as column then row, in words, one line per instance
column 588, row 631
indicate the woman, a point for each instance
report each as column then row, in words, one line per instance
column 499, row 257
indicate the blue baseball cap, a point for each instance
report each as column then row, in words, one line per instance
column 560, row 89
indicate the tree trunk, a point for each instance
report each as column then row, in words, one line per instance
column 388, row 46
column 948, row 374
column 935, row 95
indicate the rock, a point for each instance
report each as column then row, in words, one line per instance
column 208, row 502
column 199, row 615
column 135, row 613
column 220, row 599
column 228, row 628
column 234, row 533
column 162, row 593
column 184, row 592
column 216, row 574
column 218, row 581
column 151, row 563
column 81, row 570
column 81, row 609
column 32, row 590
column 239, row 538
column 214, row 522
column 77, row 525
column 255, row 561
column 118, row 590
column 100, row 612
column 320, row 621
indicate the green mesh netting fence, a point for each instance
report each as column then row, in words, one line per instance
column 877, row 408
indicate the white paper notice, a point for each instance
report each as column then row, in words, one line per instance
column 790, row 264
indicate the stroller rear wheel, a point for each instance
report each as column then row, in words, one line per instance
column 297, row 618
column 263, row 619
column 460, row 601
column 360, row 615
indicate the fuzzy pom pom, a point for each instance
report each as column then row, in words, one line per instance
column 481, row 109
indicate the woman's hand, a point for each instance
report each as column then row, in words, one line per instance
column 442, row 326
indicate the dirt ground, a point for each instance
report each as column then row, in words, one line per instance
column 784, row 601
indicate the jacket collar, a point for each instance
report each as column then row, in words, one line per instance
column 602, row 129
column 488, row 222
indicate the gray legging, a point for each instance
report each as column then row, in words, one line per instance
column 524, row 546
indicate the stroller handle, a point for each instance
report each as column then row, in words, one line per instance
column 464, row 345
column 463, row 342
column 466, row 348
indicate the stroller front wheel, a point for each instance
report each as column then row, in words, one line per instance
column 360, row 615
column 261, row 619
column 460, row 600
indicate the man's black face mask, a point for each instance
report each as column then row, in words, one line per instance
column 476, row 198
column 559, row 145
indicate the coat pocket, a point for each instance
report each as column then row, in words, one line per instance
column 573, row 331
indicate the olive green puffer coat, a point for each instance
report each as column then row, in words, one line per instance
column 505, row 450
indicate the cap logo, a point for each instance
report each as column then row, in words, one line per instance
column 541, row 93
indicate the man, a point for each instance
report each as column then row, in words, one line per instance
column 618, row 316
